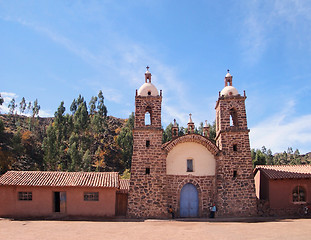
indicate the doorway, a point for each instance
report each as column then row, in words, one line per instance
column 60, row 202
column 189, row 201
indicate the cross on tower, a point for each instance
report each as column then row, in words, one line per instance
column 147, row 68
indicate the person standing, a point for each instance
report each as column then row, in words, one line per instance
column 213, row 210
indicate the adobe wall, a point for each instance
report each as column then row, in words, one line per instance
column 280, row 192
column 42, row 203
column 204, row 163
column 204, row 184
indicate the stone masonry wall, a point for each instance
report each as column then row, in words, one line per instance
column 147, row 193
column 142, row 103
column 235, row 182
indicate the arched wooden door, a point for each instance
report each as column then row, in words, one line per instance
column 189, row 201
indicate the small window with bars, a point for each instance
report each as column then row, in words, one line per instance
column 25, row 196
column 91, row 196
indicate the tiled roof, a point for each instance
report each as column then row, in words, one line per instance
column 60, row 179
column 124, row 185
column 285, row 171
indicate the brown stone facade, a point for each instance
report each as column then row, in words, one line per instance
column 152, row 190
column 235, row 183
column 147, row 193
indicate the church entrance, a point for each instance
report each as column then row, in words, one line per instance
column 189, row 201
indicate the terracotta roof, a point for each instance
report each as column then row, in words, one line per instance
column 285, row 171
column 60, row 179
column 124, row 185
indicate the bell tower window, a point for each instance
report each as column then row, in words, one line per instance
column 148, row 116
column 233, row 117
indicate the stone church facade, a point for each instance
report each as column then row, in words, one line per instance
column 191, row 172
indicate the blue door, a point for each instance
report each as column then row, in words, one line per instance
column 189, row 201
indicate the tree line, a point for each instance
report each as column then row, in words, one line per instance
column 265, row 156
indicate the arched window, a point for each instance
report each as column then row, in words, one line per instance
column 299, row 194
column 233, row 117
column 148, row 116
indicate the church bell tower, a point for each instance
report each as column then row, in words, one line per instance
column 147, row 195
column 235, row 184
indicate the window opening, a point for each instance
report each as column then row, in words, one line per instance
column 299, row 194
column 149, row 93
column 147, row 171
column 25, row 196
column 235, row 174
column 148, row 116
column 91, row 196
column 147, row 119
column 147, row 143
column 233, row 118
column 189, row 165
column 235, row 147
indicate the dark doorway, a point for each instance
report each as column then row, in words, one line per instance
column 56, row 202
column 60, row 202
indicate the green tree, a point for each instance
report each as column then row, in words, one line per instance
column 167, row 133
column 50, row 149
column 258, row 157
column 73, row 106
column 29, row 107
column 92, row 105
column 269, row 157
column 22, row 106
column 102, row 110
column 36, row 108
column 12, row 106
column 81, row 117
column 87, row 161
column 17, row 143
column 1, row 100
column 212, row 131
column 75, row 157
column 181, row 131
column 125, row 141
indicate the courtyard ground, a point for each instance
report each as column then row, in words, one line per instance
column 232, row 229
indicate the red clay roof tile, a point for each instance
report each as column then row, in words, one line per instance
column 124, row 185
column 61, row 179
column 285, row 171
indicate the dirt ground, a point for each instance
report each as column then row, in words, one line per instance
column 157, row 229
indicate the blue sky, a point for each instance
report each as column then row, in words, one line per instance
column 56, row 50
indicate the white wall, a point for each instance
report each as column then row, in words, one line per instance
column 204, row 163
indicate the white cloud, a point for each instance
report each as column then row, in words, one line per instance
column 7, row 97
column 283, row 130
column 290, row 19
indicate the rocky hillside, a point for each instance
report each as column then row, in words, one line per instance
column 24, row 143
